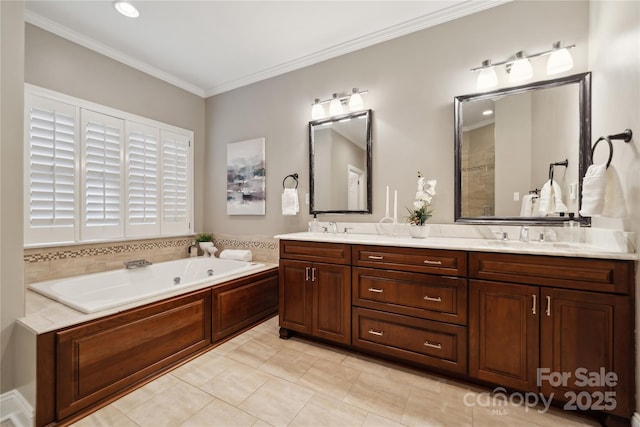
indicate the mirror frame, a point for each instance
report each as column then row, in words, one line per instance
column 368, row 116
column 584, row 150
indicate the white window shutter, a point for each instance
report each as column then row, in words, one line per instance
column 102, row 184
column 142, row 172
column 176, row 183
column 50, row 171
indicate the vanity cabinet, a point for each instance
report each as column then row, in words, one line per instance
column 409, row 304
column 315, row 291
column 537, row 318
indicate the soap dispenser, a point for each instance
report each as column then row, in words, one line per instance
column 573, row 228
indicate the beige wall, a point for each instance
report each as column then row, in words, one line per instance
column 11, row 142
column 411, row 80
column 63, row 66
column 614, row 58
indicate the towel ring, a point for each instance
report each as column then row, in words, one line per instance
column 294, row 176
column 593, row 149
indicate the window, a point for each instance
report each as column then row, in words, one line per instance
column 94, row 173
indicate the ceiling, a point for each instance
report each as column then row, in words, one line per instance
column 210, row 47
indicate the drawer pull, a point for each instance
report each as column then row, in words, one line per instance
column 377, row 291
column 306, row 273
column 376, row 333
column 428, row 298
column 313, row 274
column 378, row 257
column 427, row 261
column 428, row 344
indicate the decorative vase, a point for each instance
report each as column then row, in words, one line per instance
column 419, row 231
column 204, row 246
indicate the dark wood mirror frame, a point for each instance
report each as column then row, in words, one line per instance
column 367, row 115
column 584, row 150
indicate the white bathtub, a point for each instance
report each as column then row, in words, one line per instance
column 101, row 291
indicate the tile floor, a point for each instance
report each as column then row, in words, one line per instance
column 257, row 379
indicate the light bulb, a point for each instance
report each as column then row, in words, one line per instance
column 560, row 60
column 317, row 111
column 520, row 69
column 487, row 77
column 355, row 100
column 335, row 107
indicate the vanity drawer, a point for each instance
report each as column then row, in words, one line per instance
column 429, row 343
column 334, row 253
column 599, row 275
column 427, row 296
column 433, row 261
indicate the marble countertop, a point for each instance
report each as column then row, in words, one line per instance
column 553, row 248
column 44, row 315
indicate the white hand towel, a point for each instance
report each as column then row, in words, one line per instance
column 594, row 185
column 236, row 254
column 558, row 205
column 544, row 202
column 290, row 205
column 526, row 209
column 614, row 204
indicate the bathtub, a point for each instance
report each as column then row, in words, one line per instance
column 101, row 291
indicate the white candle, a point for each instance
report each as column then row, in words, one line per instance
column 386, row 209
column 395, row 206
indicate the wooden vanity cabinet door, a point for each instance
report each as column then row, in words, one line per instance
column 332, row 302
column 592, row 331
column 504, row 333
column 295, row 296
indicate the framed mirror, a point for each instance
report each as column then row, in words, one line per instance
column 513, row 145
column 340, row 164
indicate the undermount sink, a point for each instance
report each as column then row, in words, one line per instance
column 531, row 244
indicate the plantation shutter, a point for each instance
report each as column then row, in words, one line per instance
column 101, row 141
column 50, row 175
column 176, row 183
column 143, row 158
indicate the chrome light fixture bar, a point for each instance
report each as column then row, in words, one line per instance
column 338, row 103
column 519, row 66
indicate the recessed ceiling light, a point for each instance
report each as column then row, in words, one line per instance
column 487, row 112
column 126, row 9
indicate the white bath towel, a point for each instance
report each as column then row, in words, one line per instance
column 551, row 199
column 526, row 209
column 614, row 204
column 594, row 185
column 290, row 204
column 237, row 254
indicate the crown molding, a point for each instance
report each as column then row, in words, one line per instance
column 456, row 11
column 89, row 43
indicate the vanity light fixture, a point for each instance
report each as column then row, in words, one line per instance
column 559, row 60
column 125, row 8
column 520, row 70
column 519, row 66
column 338, row 104
column 487, row 77
column 317, row 111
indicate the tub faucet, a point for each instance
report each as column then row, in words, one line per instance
column 136, row 263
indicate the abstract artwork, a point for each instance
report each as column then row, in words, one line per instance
column 246, row 177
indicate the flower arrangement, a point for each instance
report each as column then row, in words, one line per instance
column 419, row 213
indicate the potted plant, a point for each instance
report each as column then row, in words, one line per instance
column 204, row 240
column 419, row 213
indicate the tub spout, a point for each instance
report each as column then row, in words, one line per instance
column 136, row 263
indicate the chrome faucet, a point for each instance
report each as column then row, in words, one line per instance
column 524, row 234
column 137, row 263
column 333, row 227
